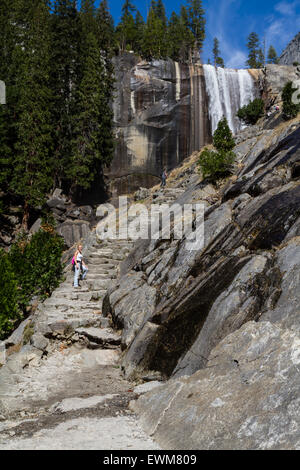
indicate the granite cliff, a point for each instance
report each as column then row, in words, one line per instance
column 291, row 54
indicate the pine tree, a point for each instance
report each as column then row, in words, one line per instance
column 87, row 16
column 254, row 51
column 272, row 56
column 126, row 31
column 218, row 61
column 180, row 39
column 160, row 11
column 222, row 138
column 105, row 24
column 154, row 44
column 65, row 76
column 92, row 142
column 140, row 30
column 33, row 163
column 197, row 22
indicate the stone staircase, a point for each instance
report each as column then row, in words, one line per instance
column 72, row 309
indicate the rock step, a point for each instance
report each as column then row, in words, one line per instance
column 114, row 257
column 104, row 263
column 88, row 296
column 102, row 337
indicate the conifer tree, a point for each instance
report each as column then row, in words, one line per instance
column 33, row 163
column 154, row 44
column 272, row 56
column 126, row 31
column 254, row 51
column 65, row 77
column 92, row 143
column 197, row 22
column 140, row 30
column 218, row 61
column 105, row 24
column 87, row 16
column 160, row 11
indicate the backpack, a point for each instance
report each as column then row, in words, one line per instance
column 73, row 264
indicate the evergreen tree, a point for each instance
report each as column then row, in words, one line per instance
column 222, row 137
column 65, row 77
column 87, row 15
column 272, row 56
column 197, row 22
column 92, row 143
column 289, row 109
column 160, row 11
column 126, row 31
column 218, row 61
column 154, row 44
column 215, row 164
column 105, row 25
column 140, row 30
column 33, row 163
column 254, row 51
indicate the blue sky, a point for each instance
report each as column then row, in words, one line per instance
column 233, row 20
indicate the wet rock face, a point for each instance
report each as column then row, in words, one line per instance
column 292, row 53
column 160, row 114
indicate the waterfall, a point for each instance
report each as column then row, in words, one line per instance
column 227, row 90
column 178, row 81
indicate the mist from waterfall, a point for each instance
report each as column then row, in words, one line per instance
column 227, row 90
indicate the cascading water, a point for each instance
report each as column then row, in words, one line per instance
column 227, row 90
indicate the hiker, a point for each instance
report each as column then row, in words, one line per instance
column 79, row 266
column 164, row 177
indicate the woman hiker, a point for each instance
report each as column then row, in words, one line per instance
column 79, row 265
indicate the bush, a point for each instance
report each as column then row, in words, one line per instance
column 32, row 268
column 251, row 113
column 9, row 309
column 215, row 164
column 289, row 109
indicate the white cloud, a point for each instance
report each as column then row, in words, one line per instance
column 237, row 59
column 287, row 8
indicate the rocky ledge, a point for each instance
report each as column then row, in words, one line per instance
column 221, row 322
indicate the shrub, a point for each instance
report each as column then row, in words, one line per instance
column 32, row 267
column 215, row 164
column 9, row 309
column 289, row 109
column 251, row 113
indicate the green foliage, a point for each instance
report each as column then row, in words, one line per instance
column 197, row 21
column 215, row 164
column 33, row 166
column 31, row 267
column 251, row 113
column 36, row 263
column 154, row 43
column 255, row 57
column 218, row 61
column 9, row 310
column 289, row 108
column 89, row 144
column 222, row 138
